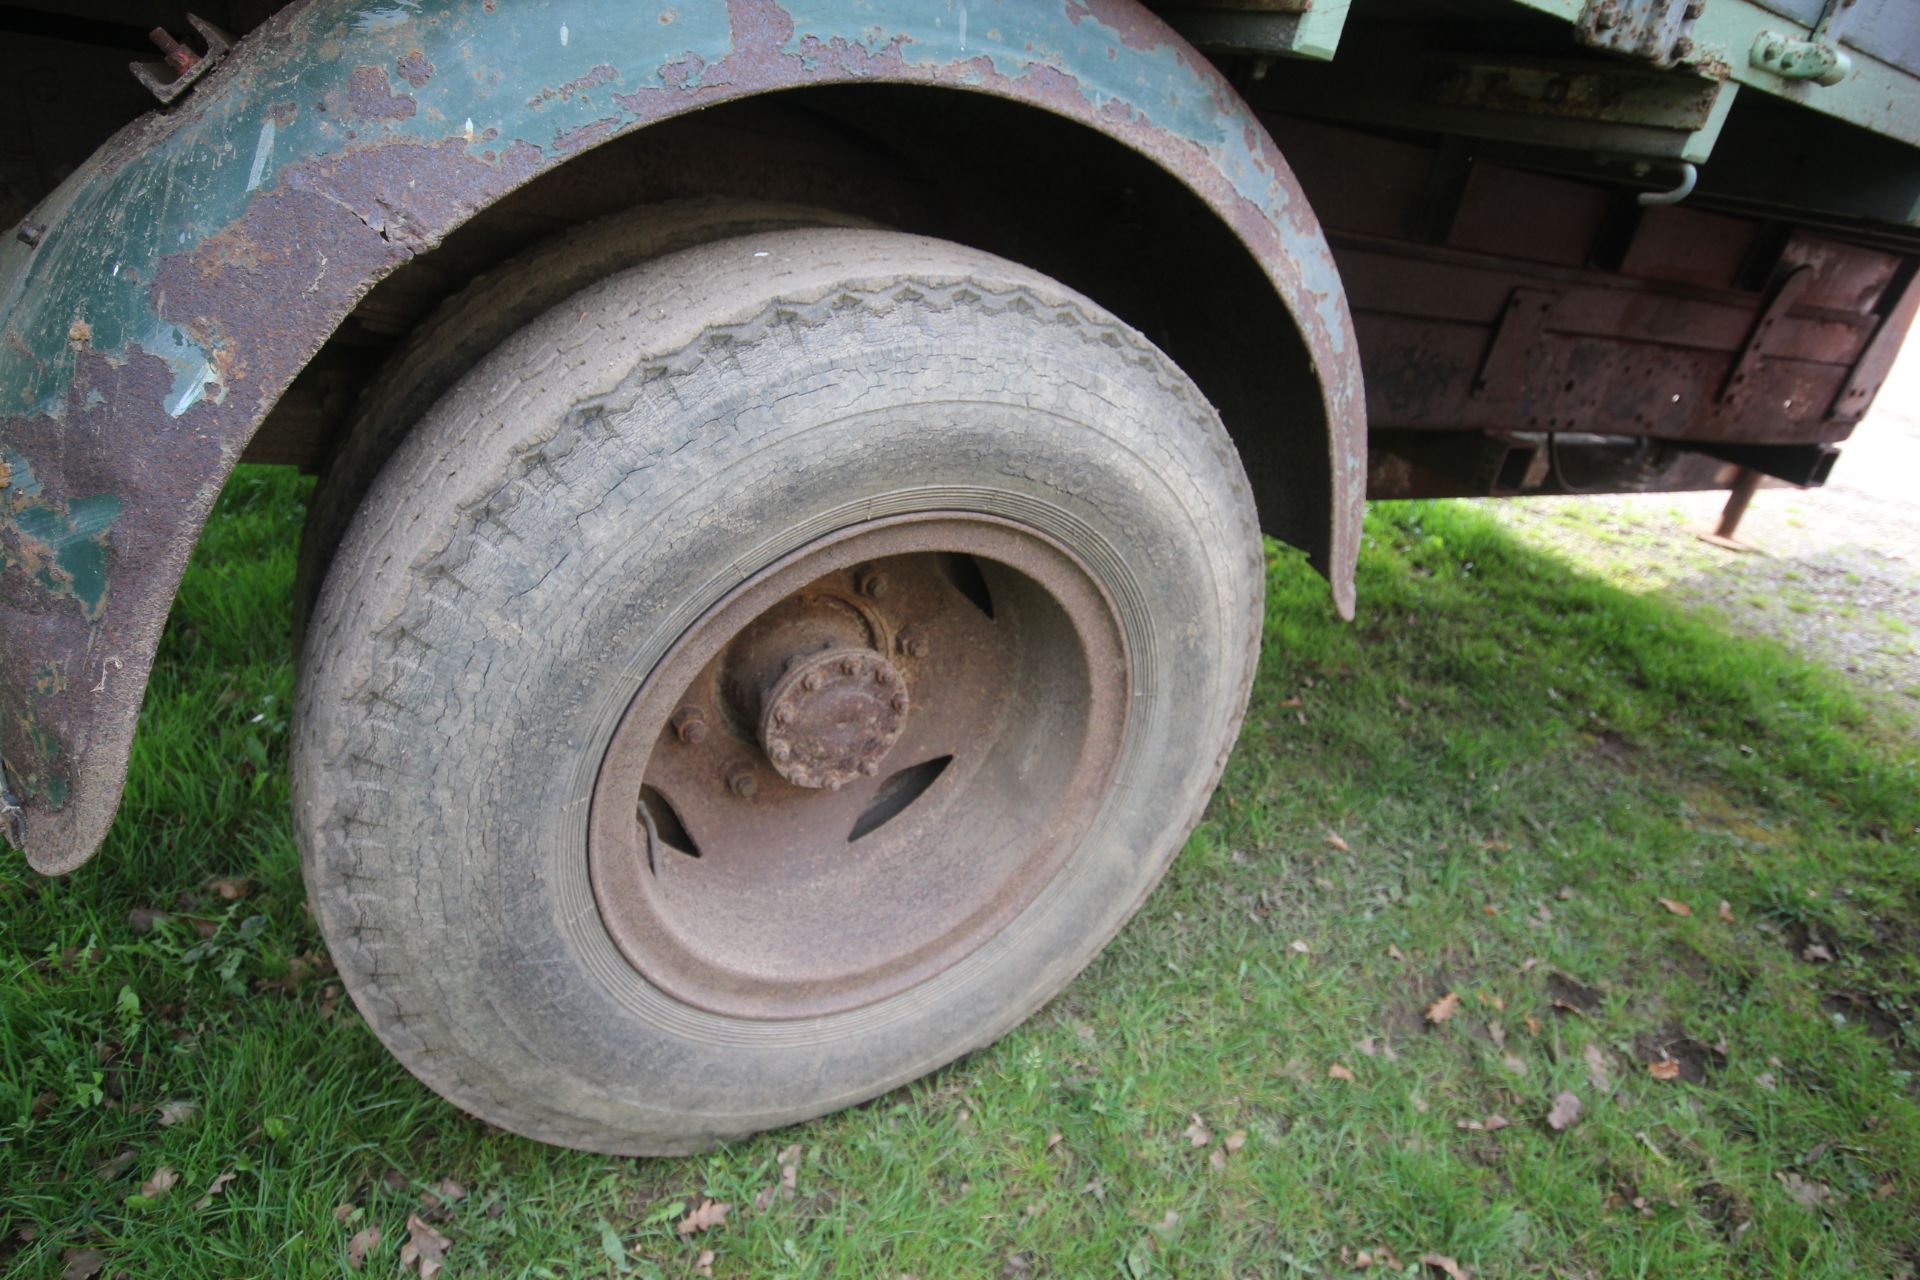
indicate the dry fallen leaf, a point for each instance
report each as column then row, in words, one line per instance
column 178, row 1111
column 1443, row 1008
column 360, row 1245
column 1441, row 1262
column 113, row 1166
column 1565, row 1112
column 231, row 887
column 1529, row 964
column 1197, row 1133
column 1395, row 953
column 1336, row 842
column 1514, row 1063
column 341, row 1212
column 1811, row 1194
column 1816, row 951
column 160, row 1183
column 1597, row 1075
column 1492, row 1124
column 789, row 1162
column 82, row 1264
column 703, row 1217
column 1678, row 908
column 703, row 1265
column 1236, row 1140
column 1725, row 911
column 1054, row 1139
column 1664, row 1069
column 1299, row 948
column 424, row 1246
column 1338, row 1072
column 1766, row 1081
column 451, row 1191
column 1217, row 1158
column 214, row 1188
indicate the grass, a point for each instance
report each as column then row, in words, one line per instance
column 1484, row 787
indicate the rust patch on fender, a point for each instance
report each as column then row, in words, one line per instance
column 414, row 68
column 370, row 96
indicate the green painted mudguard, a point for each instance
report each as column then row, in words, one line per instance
column 200, row 258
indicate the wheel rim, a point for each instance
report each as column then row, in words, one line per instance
column 859, row 766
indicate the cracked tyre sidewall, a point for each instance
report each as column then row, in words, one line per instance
column 563, row 514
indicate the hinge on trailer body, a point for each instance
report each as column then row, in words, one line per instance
column 1818, row 57
column 168, row 79
column 1660, row 31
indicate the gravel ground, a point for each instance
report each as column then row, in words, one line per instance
column 1834, row 574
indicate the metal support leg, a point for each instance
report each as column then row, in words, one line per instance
column 1745, row 485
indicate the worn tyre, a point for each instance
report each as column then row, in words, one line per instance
column 768, row 675
column 484, row 313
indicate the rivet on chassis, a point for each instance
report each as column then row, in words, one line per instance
column 872, row 583
column 741, row 780
column 690, row 725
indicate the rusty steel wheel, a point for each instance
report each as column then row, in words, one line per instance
column 766, row 676
column 858, row 766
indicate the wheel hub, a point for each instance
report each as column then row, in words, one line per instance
column 833, row 716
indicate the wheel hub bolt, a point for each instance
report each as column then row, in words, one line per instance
column 873, row 584
column 740, row 780
column 690, row 725
column 913, row 642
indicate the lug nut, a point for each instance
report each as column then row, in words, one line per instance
column 913, row 642
column 900, row 700
column 850, row 667
column 873, row 584
column 780, row 751
column 869, row 767
column 812, row 681
column 740, row 780
column 690, row 725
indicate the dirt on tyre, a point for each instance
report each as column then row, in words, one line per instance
column 768, row 675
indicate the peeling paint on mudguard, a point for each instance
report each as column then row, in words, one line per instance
column 62, row 547
column 197, row 261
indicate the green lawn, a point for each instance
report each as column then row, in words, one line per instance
column 1485, row 787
